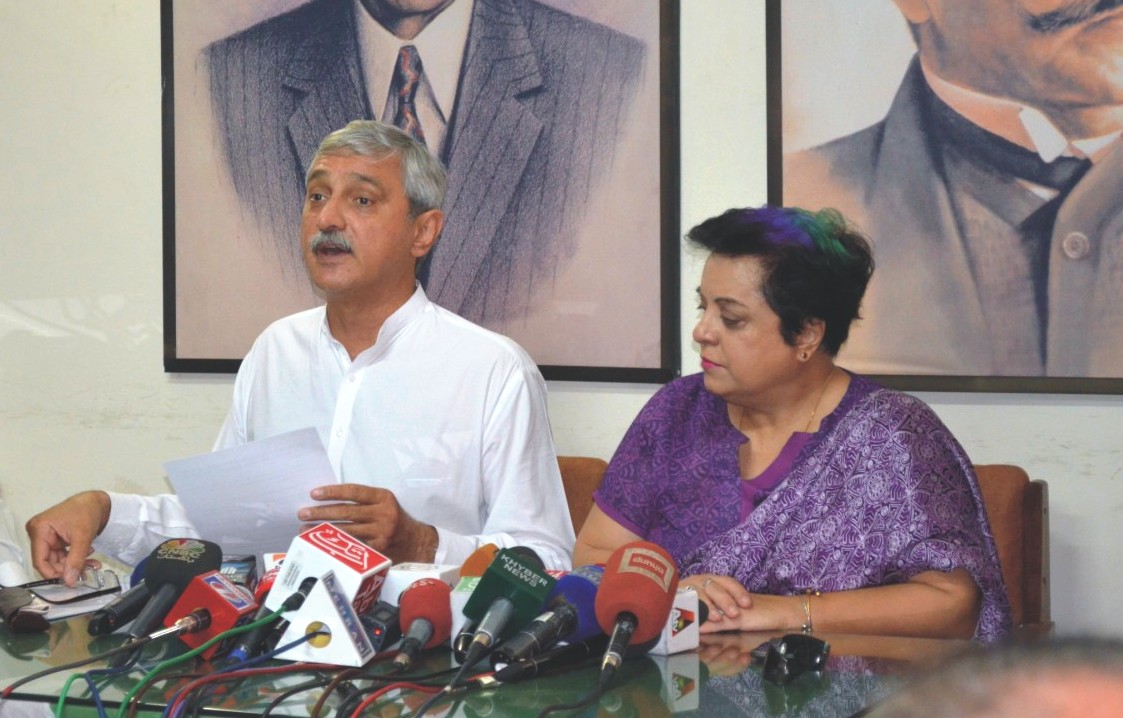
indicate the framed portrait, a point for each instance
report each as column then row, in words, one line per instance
column 557, row 121
column 994, row 233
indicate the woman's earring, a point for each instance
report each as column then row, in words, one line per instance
column 803, row 356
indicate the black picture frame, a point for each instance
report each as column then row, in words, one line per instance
column 660, row 348
column 776, row 54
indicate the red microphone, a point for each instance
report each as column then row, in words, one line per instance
column 635, row 598
column 265, row 584
column 210, row 605
column 425, row 616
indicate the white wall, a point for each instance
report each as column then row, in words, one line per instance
column 83, row 398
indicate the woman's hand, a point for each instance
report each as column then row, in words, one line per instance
column 932, row 604
column 726, row 598
column 766, row 613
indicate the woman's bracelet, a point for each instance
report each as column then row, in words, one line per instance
column 807, row 626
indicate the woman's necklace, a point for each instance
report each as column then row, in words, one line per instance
column 818, row 401
column 814, row 411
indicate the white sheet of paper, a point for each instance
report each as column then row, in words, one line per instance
column 245, row 498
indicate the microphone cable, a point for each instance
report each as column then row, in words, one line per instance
column 380, row 692
column 246, row 668
column 339, row 682
column 178, row 703
column 91, row 677
column 347, row 707
column 300, row 688
column 161, row 667
column 94, row 658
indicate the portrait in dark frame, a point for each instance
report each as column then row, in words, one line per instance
column 988, row 183
column 552, row 127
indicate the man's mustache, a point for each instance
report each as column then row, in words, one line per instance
column 332, row 240
column 1071, row 14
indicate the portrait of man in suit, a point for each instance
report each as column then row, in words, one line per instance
column 541, row 113
column 989, row 187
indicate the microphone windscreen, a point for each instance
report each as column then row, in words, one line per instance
column 479, row 560
column 528, row 556
column 428, row 599
column 579, row 589
column 177, row 561
column 169, row 570
column 640, row 579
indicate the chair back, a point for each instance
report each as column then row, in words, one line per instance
column 581, row 475
column 1018, row 511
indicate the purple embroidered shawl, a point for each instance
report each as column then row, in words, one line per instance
column 881, row 493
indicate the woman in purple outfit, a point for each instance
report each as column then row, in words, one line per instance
column 791, row 492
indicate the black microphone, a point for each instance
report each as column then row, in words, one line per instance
column 570, row 614
column 510, row 593
column 474, row 565
column 556, row 657
column 120, row 610
column 263, row 638
column 169, row 570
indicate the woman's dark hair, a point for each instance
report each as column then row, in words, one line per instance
column 816, row 266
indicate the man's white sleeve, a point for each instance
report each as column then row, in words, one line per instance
column 138, row 524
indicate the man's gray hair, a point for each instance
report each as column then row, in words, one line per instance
column 423, row 175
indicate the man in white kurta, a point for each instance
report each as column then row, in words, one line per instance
column 436, row 428
column 447, row 415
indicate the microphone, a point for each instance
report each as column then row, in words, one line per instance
column 169, row 570
column 249, row 643
column 212, row 604
column 426, row 618
column 252, row 641
column 478, row 561
column 120, row 610
column 265, row 585
column 634, row 599
column 556, row 657
column 473, row 567
column 511, row 591
column 569, row 615
column 349, row 576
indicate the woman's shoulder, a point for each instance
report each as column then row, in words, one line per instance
column 681, row 399
column 887, row 420
column 867, row 397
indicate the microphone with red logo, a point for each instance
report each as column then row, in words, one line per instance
column 634, row 599
column 426, row 618
column 168, row 571
column 211, row 604
column 345, row 577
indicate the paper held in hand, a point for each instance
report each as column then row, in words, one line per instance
column 245, row 498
